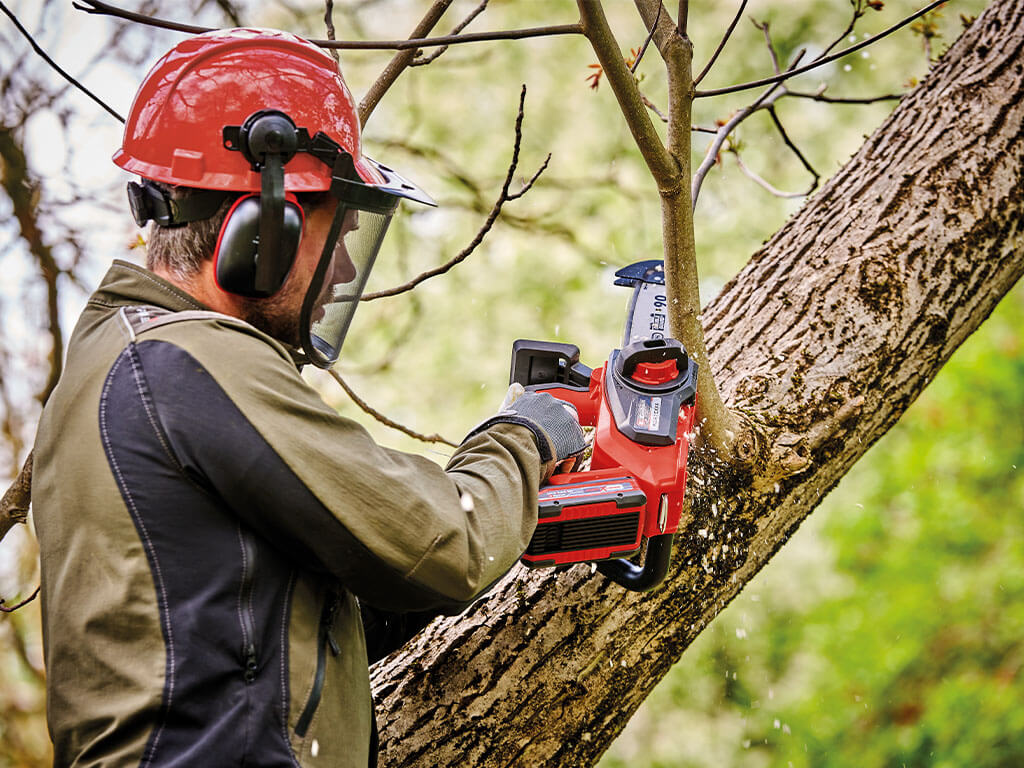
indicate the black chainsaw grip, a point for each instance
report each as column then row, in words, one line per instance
column 641, row 578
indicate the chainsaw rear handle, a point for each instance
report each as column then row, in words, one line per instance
column 645, row 577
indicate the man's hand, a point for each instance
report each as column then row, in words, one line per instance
column 557, row 418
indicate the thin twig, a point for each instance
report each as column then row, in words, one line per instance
column 820, row 61
column 400, row 61
column 329, row 24
column 721, row 45
column 421, row 61
column 106, row 9
column 13, row 608
column 643, row 50
column 384, row 419
column 820, row 96
column 795, row 149
column 56, row 67
column 723, row 133
column 763, row 26
column 651, row 106
column 858, row 11
column 504, row 197
column 760, row 181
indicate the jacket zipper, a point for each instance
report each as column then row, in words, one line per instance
column 245, row 595
column 325, row 640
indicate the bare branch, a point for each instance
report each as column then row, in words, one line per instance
column 56, row 67
column 762, row 182
column 765, row 99
column 651, row 106
column 399, row 62
column 820, row 96
column 643, row 49
column 793, row 147
column 421, row 61
column 763, row 26
column 13, row 608
column 821, row 60
column 721, row 44
column 329, row 24
column 384, row 419
column 503, row 197
column 16, row 500
column 106, row 9
column 22, row 190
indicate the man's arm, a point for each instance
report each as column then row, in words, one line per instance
column 396, row 529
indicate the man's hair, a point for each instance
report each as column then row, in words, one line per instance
column 182, row 250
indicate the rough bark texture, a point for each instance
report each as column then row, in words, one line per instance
column 822, row 341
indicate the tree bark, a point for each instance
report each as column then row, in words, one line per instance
column 822, row 341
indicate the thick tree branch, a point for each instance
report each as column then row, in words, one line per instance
column 717, row 428
column 824, row 339
column 661, row 164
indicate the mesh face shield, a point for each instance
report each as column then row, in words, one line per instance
column 345, row 263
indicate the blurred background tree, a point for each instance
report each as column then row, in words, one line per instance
column 796, row 670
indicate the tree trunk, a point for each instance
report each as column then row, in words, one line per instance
column 821, row 342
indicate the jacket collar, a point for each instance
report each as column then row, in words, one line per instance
column 127, row 284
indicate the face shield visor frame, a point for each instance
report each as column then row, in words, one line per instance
column 349, row 253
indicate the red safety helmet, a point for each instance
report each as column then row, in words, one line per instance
column 267, row 113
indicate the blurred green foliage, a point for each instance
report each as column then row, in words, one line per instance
column 890, row 630
column 884, row 633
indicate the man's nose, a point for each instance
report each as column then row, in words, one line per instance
column 344, row 270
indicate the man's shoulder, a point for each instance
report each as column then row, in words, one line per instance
column 214, row 339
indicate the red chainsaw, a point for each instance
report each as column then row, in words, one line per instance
column 641, row 404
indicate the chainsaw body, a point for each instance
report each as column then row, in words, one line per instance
column 641, row 404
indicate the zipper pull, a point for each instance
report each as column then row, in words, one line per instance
column 251, row 666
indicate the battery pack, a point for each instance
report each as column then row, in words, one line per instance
column 585, row 520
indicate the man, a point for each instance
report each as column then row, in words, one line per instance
column 206, row 522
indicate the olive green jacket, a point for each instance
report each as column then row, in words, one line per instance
column 206, row 523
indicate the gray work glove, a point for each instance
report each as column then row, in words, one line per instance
column 554, row 423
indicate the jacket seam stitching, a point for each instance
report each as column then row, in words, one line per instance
column 284, row 668
column 143, row 389
column 148, row 543
column 430, row 550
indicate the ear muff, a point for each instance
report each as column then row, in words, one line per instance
column 237, row 255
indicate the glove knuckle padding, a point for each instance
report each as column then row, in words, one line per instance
column 557, row 420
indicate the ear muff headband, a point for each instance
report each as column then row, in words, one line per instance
column 239, row 265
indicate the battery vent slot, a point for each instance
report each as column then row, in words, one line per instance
column 589, row 533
